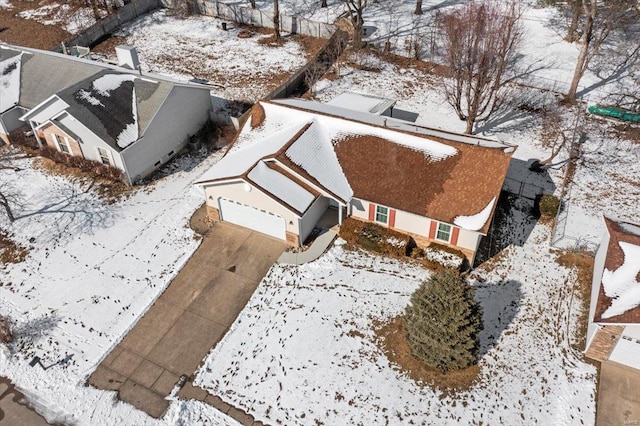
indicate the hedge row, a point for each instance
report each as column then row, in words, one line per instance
column 389, row 242
column 93, row 168
column 376, row 238
column 437, row 256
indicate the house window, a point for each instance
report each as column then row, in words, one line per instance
column 63, row 143
column 104, row 156
column 444, row 232
column 382, row 214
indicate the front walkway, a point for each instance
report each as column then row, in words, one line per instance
column 317, row 249
column 189, row 318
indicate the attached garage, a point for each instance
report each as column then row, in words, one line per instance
column 253, row 218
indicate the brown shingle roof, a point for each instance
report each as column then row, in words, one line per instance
column 613, row 261
column 404, row 178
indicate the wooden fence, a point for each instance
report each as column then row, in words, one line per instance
column 111, row 23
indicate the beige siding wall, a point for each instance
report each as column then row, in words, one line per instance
column 418, row 226
column 237, row 191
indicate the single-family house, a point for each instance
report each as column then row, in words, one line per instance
column 111, row 114
column 613, row 331
column 293, row 159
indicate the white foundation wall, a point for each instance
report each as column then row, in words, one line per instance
column 237, row 191
column 598, row 268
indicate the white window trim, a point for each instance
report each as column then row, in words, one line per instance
column 448, row 241
column 375, row 214
column 59, row 141
column 109, row 158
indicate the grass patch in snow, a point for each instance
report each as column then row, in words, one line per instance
column 582, row 264
column 11, row 251
column 391, row 340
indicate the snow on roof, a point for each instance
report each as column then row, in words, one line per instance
column 362, row 103
column 393, row 123
column 630, row 228
column 281, row 186
column 475, row 222
column 10, row 81
column 239, row 161
column 621, row 284
column 313, row 153
column 338, row 127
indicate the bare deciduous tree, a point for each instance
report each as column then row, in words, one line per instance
column 575, row 8
column 10, row 193
column 600, row 21
column 356, row 9
column 6, row 329
column 276, row 19
column 480, row 42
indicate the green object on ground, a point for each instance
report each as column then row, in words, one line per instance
column 614, row 112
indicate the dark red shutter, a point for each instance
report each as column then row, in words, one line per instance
column 454, row 236
column 392, row 218
column 372, row 212
column 432, row 229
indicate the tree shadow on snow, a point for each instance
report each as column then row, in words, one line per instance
column 27, row 334
column 500, row 303
column 74, row 209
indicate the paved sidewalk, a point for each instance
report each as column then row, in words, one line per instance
column 189, row 318
column 14, row 408
column 317, row 249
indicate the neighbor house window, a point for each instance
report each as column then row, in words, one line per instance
column 104, row 156
column 63, row 143
column 382, row 214
column 444, row 232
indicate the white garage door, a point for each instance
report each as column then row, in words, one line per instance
column 252, row 218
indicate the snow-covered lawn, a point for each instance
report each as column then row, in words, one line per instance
column 93, row 270
column 72, row 19
column 303, row 351
column 547, row 58
column 197, row 47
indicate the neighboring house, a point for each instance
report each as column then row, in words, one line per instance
column 293, row 159
column 101, row 112
column 614, row 316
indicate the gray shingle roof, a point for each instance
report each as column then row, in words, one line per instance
column 47, row 74
column 110, row 113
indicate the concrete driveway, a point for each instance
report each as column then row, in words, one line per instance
column 618, row 395
column 189, row 318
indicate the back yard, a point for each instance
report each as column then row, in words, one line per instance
column 241, row 69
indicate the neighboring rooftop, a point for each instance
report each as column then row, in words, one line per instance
column 117, row 107
column 349, row 153
column 47, row 73
column 619, row 293
column 363, row 103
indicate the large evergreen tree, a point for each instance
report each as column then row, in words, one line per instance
column 443, row 322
